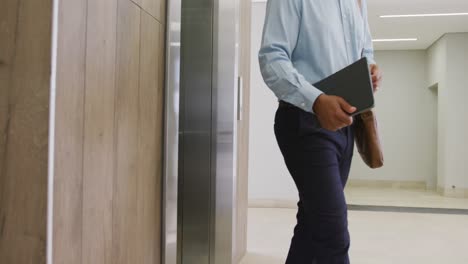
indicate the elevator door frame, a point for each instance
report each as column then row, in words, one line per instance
column 201, row 113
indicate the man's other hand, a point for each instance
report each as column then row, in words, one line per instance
column 376, row 76
column 333, row 112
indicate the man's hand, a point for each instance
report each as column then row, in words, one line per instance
column 333, row 112
column 376, row 76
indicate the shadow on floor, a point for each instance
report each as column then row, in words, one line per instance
column 255, row 258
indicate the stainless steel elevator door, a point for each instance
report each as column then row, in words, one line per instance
column 195, row 127
column 206, row 132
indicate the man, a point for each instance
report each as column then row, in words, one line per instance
column 303, row 42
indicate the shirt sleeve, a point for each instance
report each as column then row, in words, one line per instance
column 368, row 51
column 280, row 34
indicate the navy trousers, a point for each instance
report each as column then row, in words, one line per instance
column 319, row 162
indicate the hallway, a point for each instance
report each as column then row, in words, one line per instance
column 377, row 237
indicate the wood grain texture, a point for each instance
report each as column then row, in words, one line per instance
column 137, row 2
column 8, row 20
column 24, row 171
column 125, row 239
column 156, row 8
column 99, row 138
column 108, row 144
column 70, row 89
column 243, row 132
column 150, row 140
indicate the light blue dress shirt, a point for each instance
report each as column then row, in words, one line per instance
column 305, row 41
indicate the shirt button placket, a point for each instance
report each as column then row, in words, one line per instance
column 347, row 28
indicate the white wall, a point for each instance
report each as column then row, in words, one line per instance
column 268, row 176
column 457, row 112
column 453, row 118
column 437, row 72
column 405, row 107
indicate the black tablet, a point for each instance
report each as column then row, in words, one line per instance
column 353, row 83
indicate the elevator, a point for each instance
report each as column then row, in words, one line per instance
column 202, row 107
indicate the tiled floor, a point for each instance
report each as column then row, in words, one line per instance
column 377, row 237
column 402, row 197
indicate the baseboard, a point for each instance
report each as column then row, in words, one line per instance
column 290, row 204
column 260, row 203
column 418, row 185
column 452, row 192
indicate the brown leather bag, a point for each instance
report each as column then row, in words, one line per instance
column 366, row 134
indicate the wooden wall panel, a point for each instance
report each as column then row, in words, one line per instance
column 150, row 140
column 157, row 8
column 125, row 227
column 99, row 138
column 243, row 132
column 8, row 20
column 109, row 127
column 26, row 37
column 70, row 83
column 137, row 2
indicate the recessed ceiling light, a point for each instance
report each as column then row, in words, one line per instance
column 425, row 15
column 394, row 40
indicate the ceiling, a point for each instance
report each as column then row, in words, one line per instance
column 426, row 29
